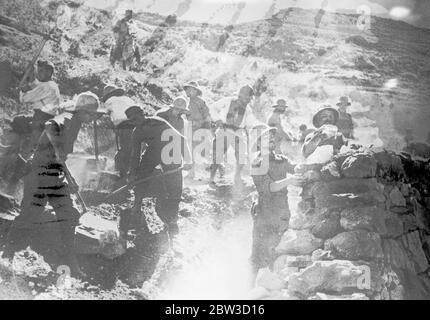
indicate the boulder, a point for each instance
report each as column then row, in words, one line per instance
column 356, row 245
column 96, row 235
column 421, row 216
column 393, row 225
column 395, row 255
column 359, row 166
column 298, row 242
column 410, row 223
column 269, row 280
column 396, row 198
column 323, row 221
column 345, row 193
column 413, row 247
column 327, row 225
column 363, row 218
column 329, row 276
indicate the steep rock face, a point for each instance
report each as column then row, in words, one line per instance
column 376, row 251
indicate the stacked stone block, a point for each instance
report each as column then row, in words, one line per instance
column 360, row 231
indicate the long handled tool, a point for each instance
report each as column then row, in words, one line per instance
column 72, row 181
column 12, row 23
column 137, row 182
column 32, row 62
column 96, row 141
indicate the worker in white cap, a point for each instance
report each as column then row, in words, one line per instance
column 47, row 183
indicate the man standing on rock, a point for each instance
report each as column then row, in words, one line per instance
column 327, row 133
column 199, row 114
column 271, row 214
column 230, row 129
column 166, row 189
column 345, row 123
column 125, row 48
column 43, row 96
column 47, row 182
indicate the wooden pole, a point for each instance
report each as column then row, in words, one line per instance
column 96, row 141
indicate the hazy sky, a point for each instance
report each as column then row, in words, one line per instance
column 416, row 12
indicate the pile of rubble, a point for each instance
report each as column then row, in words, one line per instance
column 360, row 231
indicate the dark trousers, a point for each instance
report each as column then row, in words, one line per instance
column 268, row 227
column 168, row 191
column 46, row 184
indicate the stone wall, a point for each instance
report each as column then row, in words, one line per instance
column 360, row 231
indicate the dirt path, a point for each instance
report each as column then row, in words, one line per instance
column 213, row 247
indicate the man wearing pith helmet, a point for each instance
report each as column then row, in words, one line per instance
column 345, row 123
column 46, row 183
column 327, row 133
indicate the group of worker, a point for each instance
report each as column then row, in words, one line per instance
column 140, row 147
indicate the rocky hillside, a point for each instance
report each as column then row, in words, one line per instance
column 308, row 57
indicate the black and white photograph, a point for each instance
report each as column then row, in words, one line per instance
column 233, row 152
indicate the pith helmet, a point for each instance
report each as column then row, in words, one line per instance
column 315, row 120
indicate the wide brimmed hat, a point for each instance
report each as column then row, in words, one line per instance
column 111, row 90
column 344, row 100
column 323, row 108
column 193, row 85
column 281, row 104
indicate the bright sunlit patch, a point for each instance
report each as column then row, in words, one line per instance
column 391, row 84
column 400, row 12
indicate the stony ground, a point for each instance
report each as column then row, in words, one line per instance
column 211, row 258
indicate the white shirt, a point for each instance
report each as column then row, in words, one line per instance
column 44, row 96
